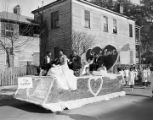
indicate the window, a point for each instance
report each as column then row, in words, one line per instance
column 87, row 19
column 130, row 30
column 54, row 20
column 105, row 24
column 114, row 26
column 7, row 30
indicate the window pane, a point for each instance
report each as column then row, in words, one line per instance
column 7, row 29
column 105, row 24
column 9, row 26
column 8, row 34
column 114, row 26
column 54, row 20
column 87, row 19
column 2, row 33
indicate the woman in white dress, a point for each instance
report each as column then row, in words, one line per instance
column 144, row 77
column 131, row 79
column 148, row 76
column 126, row 72
column 121, row 72
column 64, row 76
column 85, row 70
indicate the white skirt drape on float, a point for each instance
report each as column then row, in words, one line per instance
column 65, row 78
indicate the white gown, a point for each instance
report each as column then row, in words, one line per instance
column 65, row 78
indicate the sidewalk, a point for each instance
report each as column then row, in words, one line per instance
column 139, row 91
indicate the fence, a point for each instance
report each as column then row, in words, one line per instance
column 9, row 76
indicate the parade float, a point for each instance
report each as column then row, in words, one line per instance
column 44, row 91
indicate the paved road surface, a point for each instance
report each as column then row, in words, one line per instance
column 138, row 106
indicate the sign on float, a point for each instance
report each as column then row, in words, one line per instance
column 25, row 82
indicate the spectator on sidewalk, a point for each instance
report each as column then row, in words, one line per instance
column 151, row 84
column 131, row 79
column 126, row 72
column 121, row 72
column 144, row 77
column 136, row 75
column 148, row 76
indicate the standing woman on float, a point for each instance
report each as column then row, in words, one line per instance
column 68, row 74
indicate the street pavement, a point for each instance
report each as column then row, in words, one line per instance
column 137, row 105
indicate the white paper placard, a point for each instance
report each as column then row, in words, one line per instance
column 25, row 82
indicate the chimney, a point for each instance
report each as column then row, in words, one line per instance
column 17, row 10
column 121, row 8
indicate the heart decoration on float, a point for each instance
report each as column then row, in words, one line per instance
column 107, row 56
column 95, row 85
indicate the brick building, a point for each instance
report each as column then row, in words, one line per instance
column 105, row 27
column 24, row 34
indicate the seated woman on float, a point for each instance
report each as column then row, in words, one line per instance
column 101, row 71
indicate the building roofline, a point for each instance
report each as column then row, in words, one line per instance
column 19, row 22
column 82, row 1
column 102, row 8
column 11, row 17
column 48, row 5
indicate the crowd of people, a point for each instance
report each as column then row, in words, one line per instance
column 133, row 75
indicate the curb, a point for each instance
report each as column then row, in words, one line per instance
column 60, row 106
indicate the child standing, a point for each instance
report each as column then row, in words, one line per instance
column 121, row 72
column 126, row 74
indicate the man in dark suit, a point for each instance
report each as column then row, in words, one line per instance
column 75, row 62
column 47, row 61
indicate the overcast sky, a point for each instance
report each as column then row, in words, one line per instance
column 27, row 5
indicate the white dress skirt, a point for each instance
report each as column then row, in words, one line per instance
column 132, row 78
column 65, row 78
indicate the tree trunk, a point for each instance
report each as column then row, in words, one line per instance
column 8, row 58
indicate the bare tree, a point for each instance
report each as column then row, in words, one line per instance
column 81, row 42
column 7, row 44
column 11, row 43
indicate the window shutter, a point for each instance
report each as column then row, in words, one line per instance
column 130, row 30
column 2, row 29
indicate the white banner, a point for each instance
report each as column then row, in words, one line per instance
column 125, row 57
column 25, row 82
